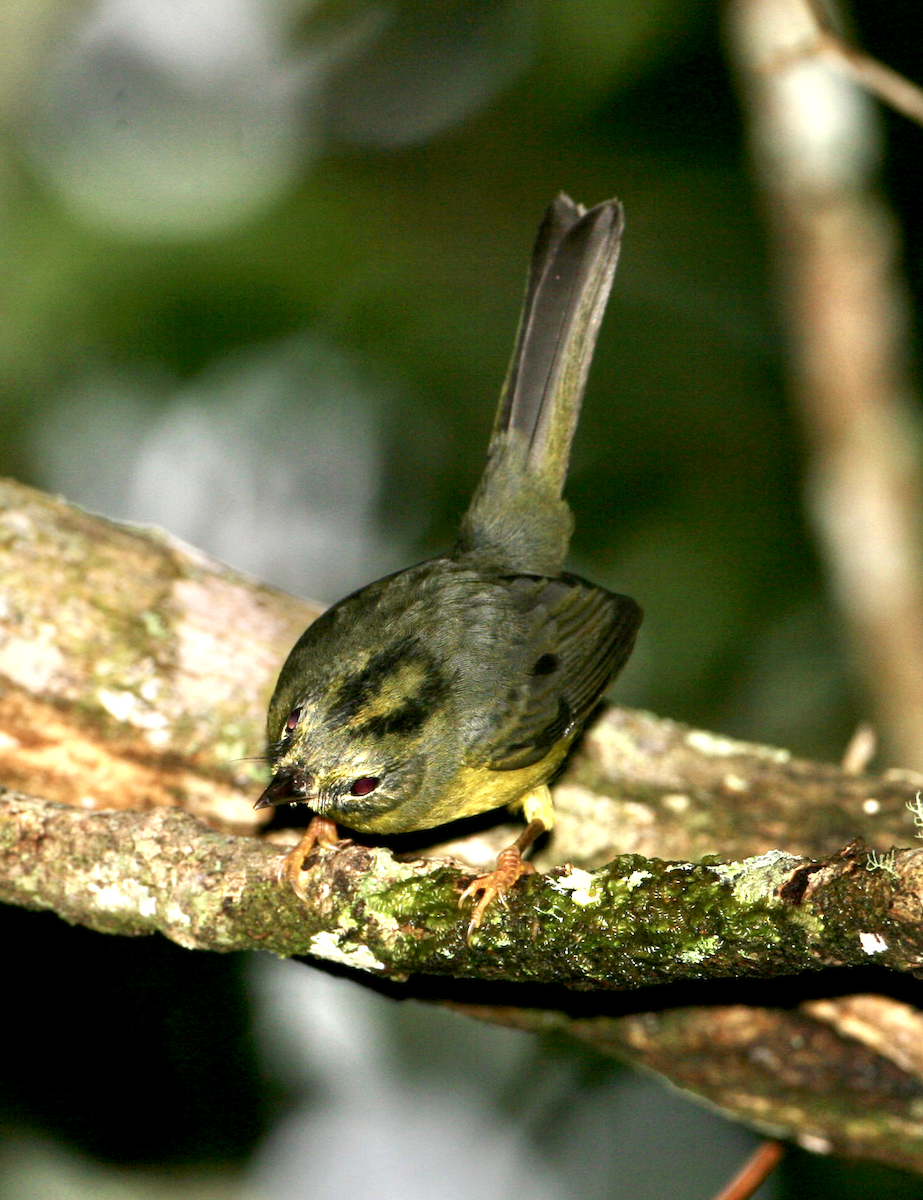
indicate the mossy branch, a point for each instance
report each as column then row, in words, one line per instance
column 135, row 678
column 634, row 923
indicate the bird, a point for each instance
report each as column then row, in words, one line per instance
column 458, row 685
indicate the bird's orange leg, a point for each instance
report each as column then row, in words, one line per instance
column 320, row 831
column 509, row 868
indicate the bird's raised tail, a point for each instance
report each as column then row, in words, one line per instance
column 517, row 519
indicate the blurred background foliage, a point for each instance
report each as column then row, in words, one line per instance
column 262, row 264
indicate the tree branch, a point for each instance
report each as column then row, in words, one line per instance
column 136, row 672
column 633, row 923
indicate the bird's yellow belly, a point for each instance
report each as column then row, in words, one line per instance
column 473, row 790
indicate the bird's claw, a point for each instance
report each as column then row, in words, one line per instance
column 320, row 832
column 494, row 886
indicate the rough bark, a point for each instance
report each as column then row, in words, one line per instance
column 136, row 671
column 634, row 923
column 135, row 675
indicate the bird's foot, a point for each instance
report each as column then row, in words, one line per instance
column 320, row 832
column 509, row 868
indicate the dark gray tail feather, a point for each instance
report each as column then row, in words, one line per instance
column 517, row 518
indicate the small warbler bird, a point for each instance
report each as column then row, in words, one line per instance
column 458, row 685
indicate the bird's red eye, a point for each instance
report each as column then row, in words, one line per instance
column 364, row 785
column 292, row 719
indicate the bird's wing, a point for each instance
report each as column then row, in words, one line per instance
column 578, row 638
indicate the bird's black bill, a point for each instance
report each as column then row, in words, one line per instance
column 286, row 786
